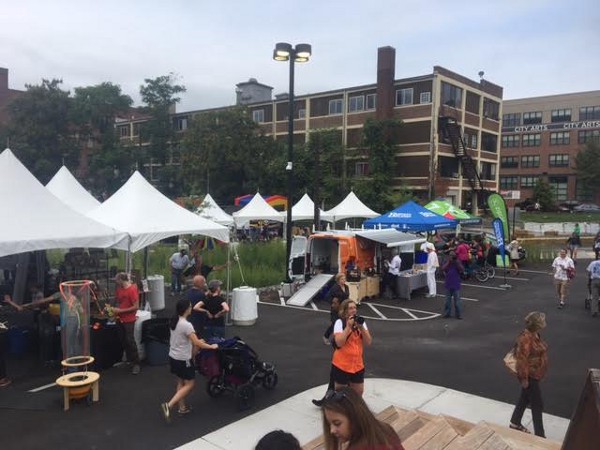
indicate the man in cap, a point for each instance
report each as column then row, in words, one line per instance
column 178, row 262
column 215, row 307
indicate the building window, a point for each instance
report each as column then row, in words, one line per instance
column 530, row 161
column 425, row 97
column 531, row 118
column 528, row 181
column 582, row 193
column 302, row 113
column 136, row 129
column 509, row 183
column 559, row 187
column 511, row 141
column 258, row 115
column 336, row 107
column 488, row 171
column 558, row 160
column 404, row 96
column 589, row 113
column 532, row 140
column 124, row 131
column 371, row 101
column 451, row 95
column 356, row 103
column 491, row 109
column 181, row 124
column 560, row 138
column 507, row 162
column 511, row 120
column 470, row 139
column 586, row 136
column 489, row 142
column 560, row 115
column 361, row 169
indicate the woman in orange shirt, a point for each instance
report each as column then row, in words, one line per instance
column 351, row 334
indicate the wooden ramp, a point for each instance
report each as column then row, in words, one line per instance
column 419, row 430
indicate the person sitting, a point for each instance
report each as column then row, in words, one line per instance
column 349, row 423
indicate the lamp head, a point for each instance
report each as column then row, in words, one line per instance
column 303, row 51
column 282, row 51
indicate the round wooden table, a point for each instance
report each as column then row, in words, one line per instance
column 78, row 384
column 77, row 362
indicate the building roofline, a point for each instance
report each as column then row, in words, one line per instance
column 551, row 96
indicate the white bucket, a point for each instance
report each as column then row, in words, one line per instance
column 141, row 316
column 244, row 310
column 156, row 296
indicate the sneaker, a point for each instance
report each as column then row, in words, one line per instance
column 182, row 412
column 166, row 412
column 136, row 369
column 5, row 382
column 561, row 305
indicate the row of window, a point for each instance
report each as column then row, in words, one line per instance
column 556, row 138
column 558, row 184
column 532, row 161
column 556, row 115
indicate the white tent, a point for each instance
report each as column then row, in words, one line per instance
column 350, row 207
column 66, row 187
column 209, row 209
column 34, row 219
column 304, row 209
column 256, row 209
column 148, row 216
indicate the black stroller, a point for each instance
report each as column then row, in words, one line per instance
column 235, row 367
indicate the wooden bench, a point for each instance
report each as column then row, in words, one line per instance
column 78, row 385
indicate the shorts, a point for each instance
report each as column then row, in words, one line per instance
column 182, row 369
column 345, row 378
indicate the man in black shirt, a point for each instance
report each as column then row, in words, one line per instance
column 215, row 307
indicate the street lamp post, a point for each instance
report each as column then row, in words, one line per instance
column 299, row 54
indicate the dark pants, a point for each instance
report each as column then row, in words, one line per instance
column 176, row 275
column 128, row 342
column 389, row 281
column 531, row 396
column 3, row 347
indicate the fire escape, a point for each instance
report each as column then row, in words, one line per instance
column 451, row 134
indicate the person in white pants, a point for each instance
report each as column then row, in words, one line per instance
column 432, row 265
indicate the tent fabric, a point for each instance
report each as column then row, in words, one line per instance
column 66, row 188
column 304, row 209
column 256, row 209
column 448, row 210
column 391, row 237
column 34, row 219
column 350, row 207
column 139, row 209
column 411, row 217
column 209, row 209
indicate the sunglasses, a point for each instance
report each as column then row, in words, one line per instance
column 335, row 396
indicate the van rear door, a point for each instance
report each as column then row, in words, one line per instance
column 296, row 263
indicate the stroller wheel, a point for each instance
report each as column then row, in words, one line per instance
column 214, row 387
column 270, row 380
column 244, row 397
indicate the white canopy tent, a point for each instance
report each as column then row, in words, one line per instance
column 350, row 207
column 209, row 209
column 148, row 216
column 35, row 219
column 304, row 209
column 256, row 209
column 66, row 188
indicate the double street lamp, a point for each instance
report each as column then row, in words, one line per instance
column 299, row 54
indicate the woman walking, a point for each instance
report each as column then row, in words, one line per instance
column 349, row 423
column 183, row 339
column 532, row 362
column 351, row 334
column 513, row 250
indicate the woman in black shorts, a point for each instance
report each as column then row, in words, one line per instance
column 182, row 341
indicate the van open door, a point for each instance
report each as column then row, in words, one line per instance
column 296, row 263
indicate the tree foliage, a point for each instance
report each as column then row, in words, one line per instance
column 543, row 194
column 587, row 163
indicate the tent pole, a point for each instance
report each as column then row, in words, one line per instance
column 228, row 321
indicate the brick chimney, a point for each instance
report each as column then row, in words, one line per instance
column 386, row 72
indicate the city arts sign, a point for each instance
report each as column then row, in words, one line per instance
column 553, row 126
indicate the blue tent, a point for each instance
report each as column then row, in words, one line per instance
column 411, row 217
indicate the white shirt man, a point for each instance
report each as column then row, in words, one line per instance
column 393, row 272
column 561, row 265
column 594, row 272
column 395, row 265
column 432, row 265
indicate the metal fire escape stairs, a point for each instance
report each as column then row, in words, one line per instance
column 451, row 134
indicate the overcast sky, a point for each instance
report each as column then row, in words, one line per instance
column 530, row 47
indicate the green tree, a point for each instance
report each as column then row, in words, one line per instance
column 39, row 129
column 379, row 137
column 543, row 194
column 587, row 163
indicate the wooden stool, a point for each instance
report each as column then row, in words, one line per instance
column 78, row 385
column 76, row 362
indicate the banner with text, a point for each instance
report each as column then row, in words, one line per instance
column 500, row 238
column 497, row 206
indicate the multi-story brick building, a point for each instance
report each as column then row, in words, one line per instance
column 541, row 137
column 7, row 95
column 424, row 161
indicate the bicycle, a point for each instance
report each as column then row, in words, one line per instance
column 477, row 272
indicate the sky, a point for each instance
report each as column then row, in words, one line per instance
column 529, row 47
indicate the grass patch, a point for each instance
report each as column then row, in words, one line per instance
column 542, row 217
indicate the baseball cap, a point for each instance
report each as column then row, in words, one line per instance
column 213, row 285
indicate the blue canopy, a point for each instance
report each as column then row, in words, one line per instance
column 411, row 217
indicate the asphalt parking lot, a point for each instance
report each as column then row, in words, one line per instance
column 465, row 355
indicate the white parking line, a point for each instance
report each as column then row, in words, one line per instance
column 281, row 300
column 376, row 311
column 41, row 388
column 534, row 271
column 312, row 304
column 484, row 287
column 411, row 314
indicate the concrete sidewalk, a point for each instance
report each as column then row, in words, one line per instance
column 298, row 416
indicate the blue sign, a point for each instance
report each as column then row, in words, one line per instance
column 499, row 232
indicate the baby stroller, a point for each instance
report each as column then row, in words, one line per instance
column 235, row 368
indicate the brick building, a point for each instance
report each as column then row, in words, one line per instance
column 541, row 137
column 7, row 95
